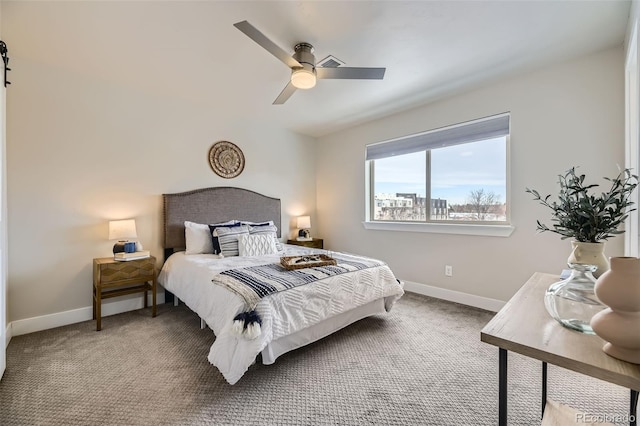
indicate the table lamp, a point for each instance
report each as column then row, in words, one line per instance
column 122, row 230
column 304, row 223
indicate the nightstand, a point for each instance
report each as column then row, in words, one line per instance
column 314, row 243
column 112, row 278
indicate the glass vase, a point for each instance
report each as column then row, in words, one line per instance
column 573, row 301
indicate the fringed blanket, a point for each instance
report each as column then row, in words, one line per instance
column 256, row 282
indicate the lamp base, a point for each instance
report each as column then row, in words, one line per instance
column 126, row 247
column 118, row 247
column 304, row 235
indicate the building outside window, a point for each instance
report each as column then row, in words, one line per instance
column 459, row 172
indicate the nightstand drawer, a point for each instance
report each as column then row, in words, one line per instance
column 141, row 270
column 315, row 243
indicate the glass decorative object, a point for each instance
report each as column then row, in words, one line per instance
column 573, row 302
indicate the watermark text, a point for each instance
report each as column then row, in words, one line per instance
column 605, row 418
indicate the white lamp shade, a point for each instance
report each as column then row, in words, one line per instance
column 122, row 229
column 304, row 222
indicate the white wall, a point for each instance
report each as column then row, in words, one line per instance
column 103, row 117
column 570, row 114
column 84, row 148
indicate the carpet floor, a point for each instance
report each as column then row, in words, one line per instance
column 421, row 364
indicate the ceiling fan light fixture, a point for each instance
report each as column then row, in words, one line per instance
column 303, row 78
column 304, row 68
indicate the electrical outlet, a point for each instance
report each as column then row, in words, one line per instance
column 448, row 270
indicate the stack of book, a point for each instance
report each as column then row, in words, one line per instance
column 131, row 256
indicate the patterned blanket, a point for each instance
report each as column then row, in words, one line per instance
column 256, row 282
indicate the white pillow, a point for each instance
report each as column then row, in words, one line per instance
column 256, row 245
column 197, row 237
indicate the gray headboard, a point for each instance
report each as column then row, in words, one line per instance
column 213, row 205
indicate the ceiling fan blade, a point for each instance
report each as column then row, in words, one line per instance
column 285, row 94
column 254, row 34
column 351, row 73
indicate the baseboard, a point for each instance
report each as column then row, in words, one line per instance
column 45, row 322
column 486, row 303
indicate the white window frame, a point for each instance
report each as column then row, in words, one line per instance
column 429, row 140
column 632, row 138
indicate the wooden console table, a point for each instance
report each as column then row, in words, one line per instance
column 524, row 326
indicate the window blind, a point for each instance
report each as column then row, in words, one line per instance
column 472, row 131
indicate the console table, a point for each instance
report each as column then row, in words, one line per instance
column 524, row 326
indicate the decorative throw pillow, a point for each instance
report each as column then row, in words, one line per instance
column 198, row 238
column 214, row 238
column 267, row 230
column 228, row 238
column 266, row 222
column 256, row 245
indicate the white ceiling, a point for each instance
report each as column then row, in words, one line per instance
column 190, row 50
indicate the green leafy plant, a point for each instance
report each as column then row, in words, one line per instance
column 585, row 217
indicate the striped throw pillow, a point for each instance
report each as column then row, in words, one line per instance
column 198, row 237
column 214, row 237
column 228, row 239
column 266, row 222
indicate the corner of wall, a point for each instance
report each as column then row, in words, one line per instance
column 634, row 16
column 8, row 335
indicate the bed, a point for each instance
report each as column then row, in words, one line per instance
column 285, row 319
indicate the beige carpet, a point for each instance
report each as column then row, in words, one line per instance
column 421, row 364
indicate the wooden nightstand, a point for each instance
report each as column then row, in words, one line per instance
column 315, row 243
column 112, row 278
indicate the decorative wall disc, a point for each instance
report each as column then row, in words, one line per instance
column 226, row 159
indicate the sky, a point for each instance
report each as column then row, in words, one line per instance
column 456, row 170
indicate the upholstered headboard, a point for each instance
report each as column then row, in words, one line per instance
column 214, row 205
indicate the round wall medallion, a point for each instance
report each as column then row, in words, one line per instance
column 226, row 159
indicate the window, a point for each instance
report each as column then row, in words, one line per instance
column 456, row 174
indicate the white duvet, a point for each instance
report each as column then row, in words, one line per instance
column 189, row 278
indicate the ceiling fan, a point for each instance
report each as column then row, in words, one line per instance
column 303, row 64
